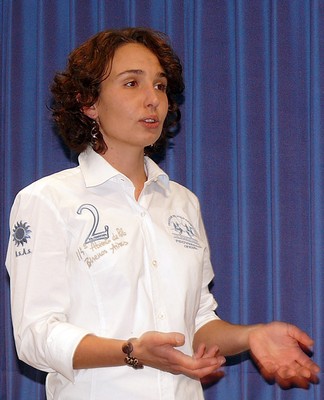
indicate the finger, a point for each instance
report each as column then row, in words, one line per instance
column 203, row 352
column 201, row 371
column 304, row 361
column 314, row 368
column 308, row 369
column 212, row 351
column 295, row 370
column 200, row 351
column 286, row 372
column 304, row 373
column 201, row 363
column 292, row 382
column 300, row 336
column 212, row 378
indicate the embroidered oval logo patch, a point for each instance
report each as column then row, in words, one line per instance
column 183, row 232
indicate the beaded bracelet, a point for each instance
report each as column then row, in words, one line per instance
column 130, row 360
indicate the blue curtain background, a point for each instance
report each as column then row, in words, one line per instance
column 251, row 147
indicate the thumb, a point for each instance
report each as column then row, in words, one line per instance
column 175, row 339
column 179, row 339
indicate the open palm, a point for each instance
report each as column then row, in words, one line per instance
column 279, row 350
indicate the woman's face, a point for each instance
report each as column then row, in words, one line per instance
column 132, row 104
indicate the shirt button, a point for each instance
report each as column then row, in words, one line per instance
column 161, row 315
column 143, row 213
column 154, row 263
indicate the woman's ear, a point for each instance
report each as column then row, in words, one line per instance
column 90, row 112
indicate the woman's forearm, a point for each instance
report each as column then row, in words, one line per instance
column 231, row 339
column 94, row 352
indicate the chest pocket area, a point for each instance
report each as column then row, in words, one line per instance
column 100, row 242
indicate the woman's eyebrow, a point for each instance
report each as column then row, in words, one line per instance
column 140, row 72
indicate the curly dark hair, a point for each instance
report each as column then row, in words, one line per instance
column 79, row 86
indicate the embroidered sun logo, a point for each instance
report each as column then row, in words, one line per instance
column 21, row 233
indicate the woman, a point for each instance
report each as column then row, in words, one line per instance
column 109, row 261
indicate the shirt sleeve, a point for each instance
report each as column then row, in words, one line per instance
column 36, row 263
column 208, row 304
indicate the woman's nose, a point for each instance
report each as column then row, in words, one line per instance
column 152, row 98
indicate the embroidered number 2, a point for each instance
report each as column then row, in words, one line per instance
column 93, row 234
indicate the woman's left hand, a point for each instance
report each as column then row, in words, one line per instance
column 280, row 351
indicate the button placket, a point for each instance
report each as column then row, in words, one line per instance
column 153, row 270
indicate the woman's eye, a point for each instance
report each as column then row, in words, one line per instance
column 131, row 84
column 161, row 86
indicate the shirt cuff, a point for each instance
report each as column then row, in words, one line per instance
column 61, row 345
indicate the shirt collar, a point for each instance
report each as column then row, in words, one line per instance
column 155, row 173
column 96, row 170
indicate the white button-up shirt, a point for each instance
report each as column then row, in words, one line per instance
column 85, row 257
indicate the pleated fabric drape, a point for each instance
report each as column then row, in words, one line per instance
column 251, row 146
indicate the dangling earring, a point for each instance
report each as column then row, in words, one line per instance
column 94, row 134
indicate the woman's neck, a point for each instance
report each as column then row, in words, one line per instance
column 130, row 164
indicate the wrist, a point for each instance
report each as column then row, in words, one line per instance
column 252, row 329
column 130, row 359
